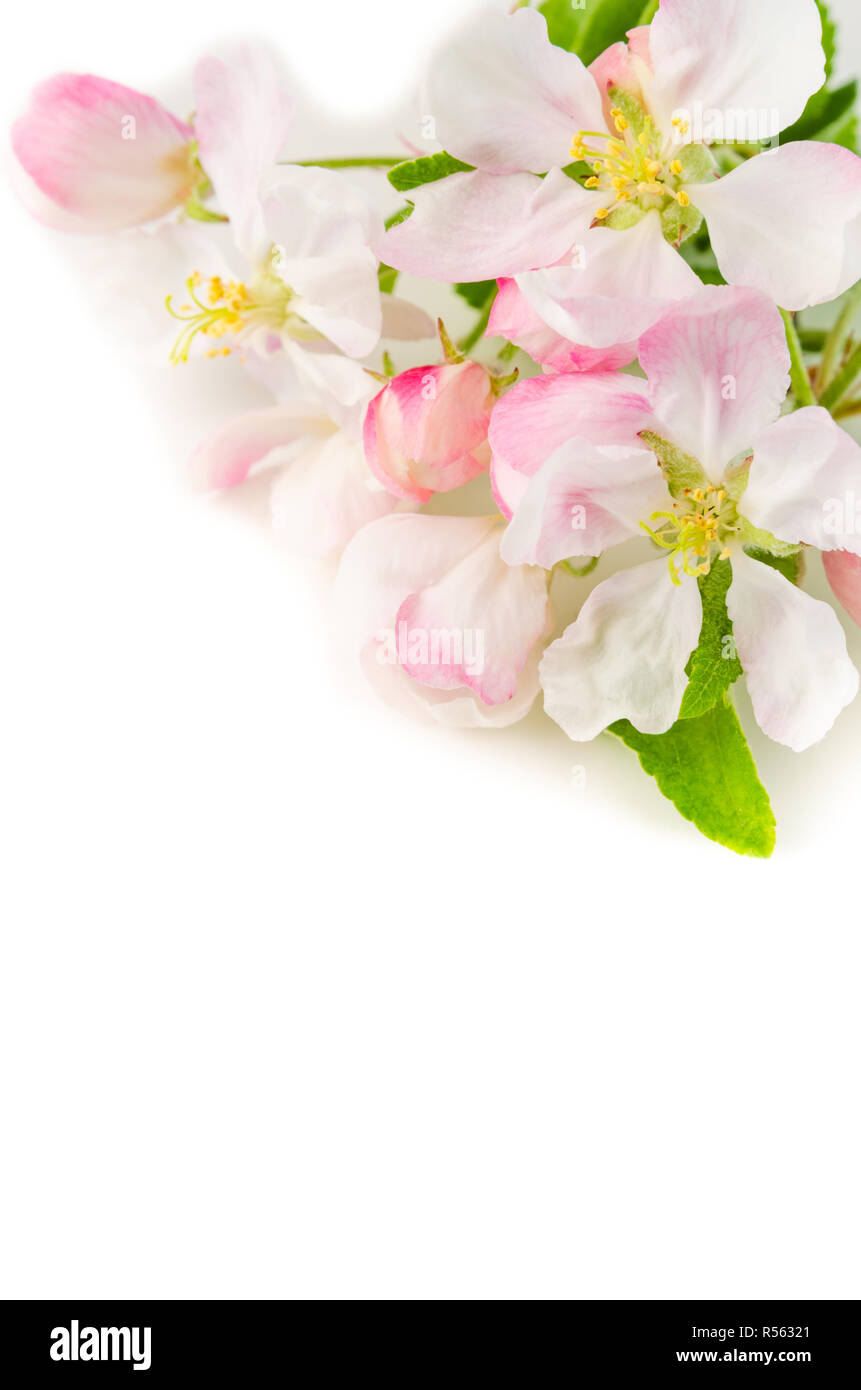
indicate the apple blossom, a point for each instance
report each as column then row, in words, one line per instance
column 94, row 156
column 426, row 431
column 322, row 492
column 731, row 477
column 435, row 616
column 598, row 263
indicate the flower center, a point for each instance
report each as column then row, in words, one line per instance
column 698, row 529
column 221, row 309
column 632, row 168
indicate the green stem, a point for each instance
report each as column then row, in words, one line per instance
column 842, row 382
column 472, row 338
column 836, row 340
column 801, row 388
column 371, row 161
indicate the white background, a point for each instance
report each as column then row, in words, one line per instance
column 299, row 999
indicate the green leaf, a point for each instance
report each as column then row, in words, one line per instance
column 608, row 21
column 706, row 769
column 476, row 292
column 564, row 22
column 714, row 666
column 681, row 470
column 649, row 12
column 413, row 173
column 824, row 110
column 829, row 37
column 388, row 278
column 588, row 27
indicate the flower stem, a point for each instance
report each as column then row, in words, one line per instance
column 472, row 338
column 836, row 340
column 368, row 161
column 841, row 383
column 801, row 388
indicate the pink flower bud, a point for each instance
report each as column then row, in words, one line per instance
column 426, row 431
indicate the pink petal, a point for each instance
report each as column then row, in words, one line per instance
column 505, row 99
column 103, row 153
column 788, row 222
column 583, row 501
column 618, row 284
column 227, row 457
column 844, row 575
column 535, row 417
column 718, row 370
column 513, row 317
column 477, row 226
column 426, row 431
column 451, row 567
column 242, row 121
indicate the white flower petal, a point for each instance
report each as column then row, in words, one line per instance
column 475, row 226
column 242, row 120
column 505, row 99
column 764, row 55
column 805, row 482
column 788, row 222
column 794, row 655
column 625, row 656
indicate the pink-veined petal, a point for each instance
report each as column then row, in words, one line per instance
column 794, row 655
column 625, row 656
column 788, row 222
column 582, row 501
column 402, row 556
column 718, row 370
column 536, row 416
column 805, row 482
column 505, row 99
column 104, row 154
column 513, row 317
column 617, row 285
column 476, row 226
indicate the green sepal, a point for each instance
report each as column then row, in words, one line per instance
column 681, row 470
column 414, row 173
column 195, row 209
column 793, row 567
column 714, row 666
column 388, row 278
column 678, row 223
column 398, row 217
column 757, row 539
column 624, row 216
column 705, row 767
column 590, row 563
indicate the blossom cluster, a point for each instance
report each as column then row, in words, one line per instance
column 639, row 201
